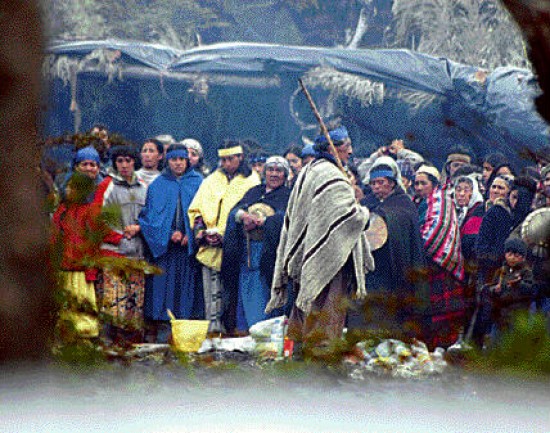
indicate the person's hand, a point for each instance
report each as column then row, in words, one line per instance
column 185, row 241
column 382, row 150
column 131, row 230
column 515, row 280
column 177, row 237
column 249, row 221
column 259, row 221
column 497, row 289
column 214, row 240
column 396, row 146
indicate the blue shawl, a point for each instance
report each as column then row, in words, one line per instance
column 158, row 214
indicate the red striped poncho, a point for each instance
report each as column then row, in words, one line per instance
column 441, row 233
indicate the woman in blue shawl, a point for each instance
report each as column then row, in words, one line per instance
column 165, row 227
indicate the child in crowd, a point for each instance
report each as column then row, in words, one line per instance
column 513, row 289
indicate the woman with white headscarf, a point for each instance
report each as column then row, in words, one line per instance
column 196, row 156
column 250, row 245
column 469, row 210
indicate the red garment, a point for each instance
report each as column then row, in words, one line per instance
column 472, row 222
column 100, row 190
column 74, row 226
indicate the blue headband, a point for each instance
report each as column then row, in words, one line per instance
column 86, row 154
column 257, row 158
column 338, row 134
column 381, row 173
column 181, row 153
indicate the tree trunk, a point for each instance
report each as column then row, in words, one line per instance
column 25, row 290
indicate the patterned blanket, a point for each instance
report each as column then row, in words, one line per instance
column 323, row 226
column 441, row 235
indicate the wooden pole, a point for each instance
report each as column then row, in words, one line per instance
column 324, row 129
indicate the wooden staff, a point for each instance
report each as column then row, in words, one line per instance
column 324, row 129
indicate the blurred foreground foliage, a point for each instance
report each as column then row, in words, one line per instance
column 523, row 350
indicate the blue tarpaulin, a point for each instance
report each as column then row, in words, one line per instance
column 483, row 110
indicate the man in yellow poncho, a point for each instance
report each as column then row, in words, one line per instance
column 208, row 213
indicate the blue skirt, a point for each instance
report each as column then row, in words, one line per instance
column 177, row 289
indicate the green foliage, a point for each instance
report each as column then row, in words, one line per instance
column 523, row 350
column 162, row 21
column 82, row 353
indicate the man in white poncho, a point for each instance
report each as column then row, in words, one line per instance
column 323, row 249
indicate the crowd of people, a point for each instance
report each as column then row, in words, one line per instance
column 384, row 243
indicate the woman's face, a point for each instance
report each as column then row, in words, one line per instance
column 487, row 170
column 499, row 189
column 194, row 157
column 89, row 168
column 177, row 165
column 150, row 156
column 514, row 198
column 423, row 186
column 295, row 162
column 274, row 176
column 463, row 194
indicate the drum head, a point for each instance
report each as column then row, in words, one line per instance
column 377, row 233
column 535, row 229
column 262, row 210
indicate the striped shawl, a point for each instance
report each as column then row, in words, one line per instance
column 440, row 232
column 323, row 226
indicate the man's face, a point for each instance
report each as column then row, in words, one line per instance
column 382, row 187
column 125, row 166
column 344, row 151
column 454, row 166
column 231, row 163
column 89, row 168
column 177, row 165
column 274, row 176
column 150, row 156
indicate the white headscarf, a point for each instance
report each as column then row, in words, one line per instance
column 474, row 199
column 191, row 143
column 278, row 161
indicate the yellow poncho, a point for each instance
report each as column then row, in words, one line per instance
column 213, row 202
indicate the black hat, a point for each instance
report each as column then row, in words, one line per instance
column 515, row 245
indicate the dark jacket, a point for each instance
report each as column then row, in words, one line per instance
column 489, row 248
column 514, row 295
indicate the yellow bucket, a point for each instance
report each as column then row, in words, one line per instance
column 187, row 335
